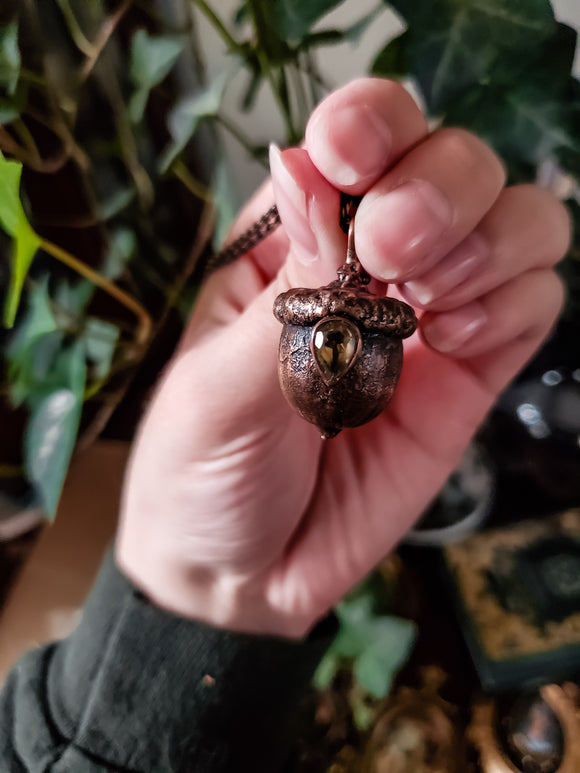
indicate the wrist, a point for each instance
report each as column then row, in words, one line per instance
column 222, row 601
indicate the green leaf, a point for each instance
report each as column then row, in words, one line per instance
column 294, row 18
column 116, row 203
column 453, row 47
column 9, row 57
column 355, row 32
column 326, row 671
column 376, row 666
column 25, row 241
column 270, row 39
column 32, row 353
column 524, row 124
column 363, row 715
column 100, row 339
column 375, row 644
column 151, row 60
column 37, row 323
column 52, row 429
column 9, row 110
column 251, row 91
column 185, row 117
column 70, row 301
column 226, row 202
column 10, row 173
column 122, row 248
column 25, row 246
column 322, row 38
column 392, row 61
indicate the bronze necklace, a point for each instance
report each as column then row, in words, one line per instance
column 341, row 351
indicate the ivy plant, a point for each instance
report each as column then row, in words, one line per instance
column 105, row 104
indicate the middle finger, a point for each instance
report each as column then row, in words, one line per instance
column 426, row 204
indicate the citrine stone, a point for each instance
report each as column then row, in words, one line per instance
column 335, row 345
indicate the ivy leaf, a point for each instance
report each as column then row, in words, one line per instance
column 70, row 301
column 321, row 38
column 523, row 124
column 9, row 110
column 9, row 57
column 116, row 203
column 10, row 173
column 326, row 671
column 271, row 40
column 25, row 246
column 355, row 32
column 392, row 61
column 30, row 346
column 294, row 18
column 376, row 645
column 185, row 117
column 100, row 339
column 226, row 202
column 25, row 242
column 122, row 248
column 536, row 117
column 251, row 91
column 376, row 666
column 51, row 433
column 454, row 47
column 151, row 60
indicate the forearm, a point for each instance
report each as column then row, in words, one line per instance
column 135, row 688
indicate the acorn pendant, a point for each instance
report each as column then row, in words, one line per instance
column 341, row 349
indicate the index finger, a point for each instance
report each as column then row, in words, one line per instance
column 361, row 130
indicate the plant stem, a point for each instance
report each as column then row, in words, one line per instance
column 218, row 25
column 194, row 186
column 240, row 137
column 109, row 26
column 11, row 470
column 32, row 77
column 78, row 36
column 145, row 324
column 27, row 139
column 301, row 101
column 267, row 72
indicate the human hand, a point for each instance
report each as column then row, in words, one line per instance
column 235, row 511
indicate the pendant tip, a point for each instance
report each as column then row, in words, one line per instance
column 327, row 433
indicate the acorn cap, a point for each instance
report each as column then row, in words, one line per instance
column 305, row 306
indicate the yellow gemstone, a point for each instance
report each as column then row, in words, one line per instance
column 335, row 345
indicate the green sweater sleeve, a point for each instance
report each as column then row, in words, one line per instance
column 135, row 689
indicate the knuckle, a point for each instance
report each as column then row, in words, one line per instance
column 548, row 294
column 548, row 214
column 469, row 152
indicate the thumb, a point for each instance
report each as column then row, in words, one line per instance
column 309, row 208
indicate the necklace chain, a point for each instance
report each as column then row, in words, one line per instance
column 259, row 230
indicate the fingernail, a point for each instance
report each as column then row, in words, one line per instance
column 404, row 225
column 358, row 143
column 452, row 271
column 448, row 331
column 293, row 204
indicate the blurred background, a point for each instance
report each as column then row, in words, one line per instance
column 130, row 132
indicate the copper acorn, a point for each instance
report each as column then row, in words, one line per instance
column 341, row 350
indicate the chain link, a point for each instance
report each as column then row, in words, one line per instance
column 269, row 221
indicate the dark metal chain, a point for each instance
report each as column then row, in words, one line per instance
column 269, row 221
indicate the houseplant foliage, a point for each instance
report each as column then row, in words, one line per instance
column 98, row 106
column 103, row 188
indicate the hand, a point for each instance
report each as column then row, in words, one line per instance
column 235, row 511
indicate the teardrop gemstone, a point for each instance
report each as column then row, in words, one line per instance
column 335, row 345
